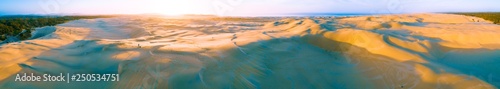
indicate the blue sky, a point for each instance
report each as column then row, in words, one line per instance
column 243, row 7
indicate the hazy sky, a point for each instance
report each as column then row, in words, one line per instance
column 242, row 7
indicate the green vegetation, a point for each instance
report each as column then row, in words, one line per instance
column 21, row 25
column 491, row 16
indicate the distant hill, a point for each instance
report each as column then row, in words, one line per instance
column 491, row 16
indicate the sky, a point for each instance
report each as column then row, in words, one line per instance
column 242, row 7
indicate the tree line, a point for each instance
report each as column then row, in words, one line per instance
column 20, row 26
column 491, row 16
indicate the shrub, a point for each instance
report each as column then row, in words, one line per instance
column 491, row 16
column 14, row 25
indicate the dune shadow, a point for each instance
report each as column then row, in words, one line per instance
column 82, row 56
column 306, row 61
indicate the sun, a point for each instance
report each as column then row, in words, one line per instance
column 175, row 7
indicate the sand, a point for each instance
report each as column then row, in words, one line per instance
column 387, row 51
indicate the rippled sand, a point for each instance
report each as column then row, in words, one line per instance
column 390, row 51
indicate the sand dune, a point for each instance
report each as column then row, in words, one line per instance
column 388, row 51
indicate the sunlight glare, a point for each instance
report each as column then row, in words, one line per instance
column 175, row 7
